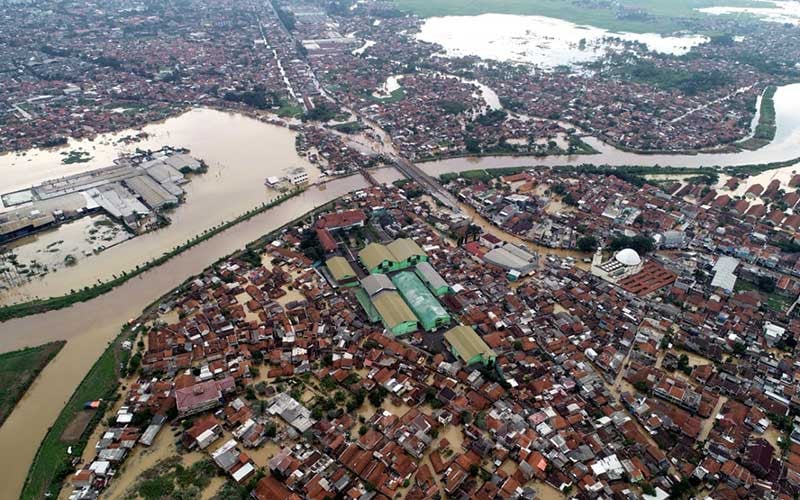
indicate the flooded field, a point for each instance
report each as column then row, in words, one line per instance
column 541, row 41
column 773, row 11
column 38, row 255
column 88, row 327
column 240, row 152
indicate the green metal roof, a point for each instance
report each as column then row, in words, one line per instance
column 421, row 300
column 468, row 344
column 392, row 309
column 374, row 254
column 404, row 249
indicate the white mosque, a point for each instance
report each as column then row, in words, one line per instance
column 622, row 264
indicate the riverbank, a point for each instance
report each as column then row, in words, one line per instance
column 766, row 128
column 89, row 326
column 19, row 369
column 51, row 465
column 68, row 435
column 88, row 293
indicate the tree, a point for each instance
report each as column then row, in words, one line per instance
column 376, row 396
column 766, row 284
column 587, row 243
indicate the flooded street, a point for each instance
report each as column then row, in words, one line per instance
column 89, row 326
column 240, row 152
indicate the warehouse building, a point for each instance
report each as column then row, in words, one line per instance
column 467, row 346
column 432, row 279
column 376, row 258
column 430, row 312
column 395, row 314
column 398, row 255
column 406, row 252
column 517, row 261
column 341, row 271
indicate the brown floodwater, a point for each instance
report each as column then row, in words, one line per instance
column 240, row 152
column 786, row 146
column 89, row 327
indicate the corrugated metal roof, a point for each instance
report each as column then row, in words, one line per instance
column 723, row 273
column 375, row 283
column 340, row 269
column 421, row 300
column 467, row 343
column 404, row 249
column 429, row 274
column 373, row 254
column 392, row 309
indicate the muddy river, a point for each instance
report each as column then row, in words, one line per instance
column 240, row 152
column 88, row 327
column 786, row 146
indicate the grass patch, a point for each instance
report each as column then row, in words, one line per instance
column 766, row 127
column 169, row 478
column 657, row 15
column 88, row 293
column 51, row 465
column 76, row 157
column 396, row 96
column 18, row 370
column 774, row 301
column 290, row 109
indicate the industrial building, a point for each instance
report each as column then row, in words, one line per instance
column 394, row 313
column 467, row 346
column 400, row 254
column 406, row 252
column 432, row 279
column 430, row 312
column 129, row 191
column 376, row 258
column 379, row 298
column 517, row 261
column 341, row 271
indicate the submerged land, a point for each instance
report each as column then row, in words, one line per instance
column 514, row 250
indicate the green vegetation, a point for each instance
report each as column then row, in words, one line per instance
column 482, row 175
column 766, row 127
column 170, row 479
column 773, row 300
column 688, row 82
column 639, row 16
column 51, row 465
column 323, row 112
column 587, row 243
column 88, row 293
column 348, row 127
column 396, row 95
column 18, row 370
column 289, row 109
column 75, row 157
column 641, row 243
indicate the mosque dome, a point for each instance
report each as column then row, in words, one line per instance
column 628, row 257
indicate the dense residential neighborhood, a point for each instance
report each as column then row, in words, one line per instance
column 448, row 275
column 380, row 349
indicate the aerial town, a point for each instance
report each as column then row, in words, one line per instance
column 427, row 358
column 518, row 272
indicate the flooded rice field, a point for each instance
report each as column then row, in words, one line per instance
column 545, row 42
